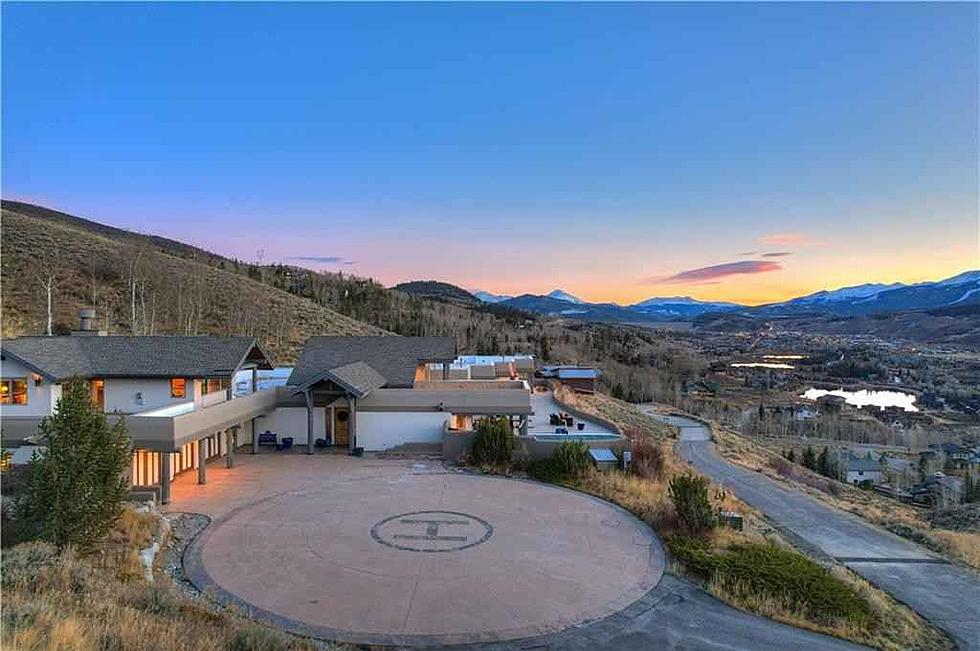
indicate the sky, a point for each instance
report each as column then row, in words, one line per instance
column 746, row 152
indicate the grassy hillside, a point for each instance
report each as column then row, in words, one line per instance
column 168, row 287
column 147, row 284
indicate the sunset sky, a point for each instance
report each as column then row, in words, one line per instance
column 747, row 152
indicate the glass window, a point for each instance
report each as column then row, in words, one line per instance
column 13, row 391
column 98, row 392
column 213, row 385
column 178, row 387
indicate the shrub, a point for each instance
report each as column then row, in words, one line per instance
column 76, row 487
column 648, row 459
column 689, row 493
column 258, row 638
column 493, row 441
column 759, row 571
column 569, row 460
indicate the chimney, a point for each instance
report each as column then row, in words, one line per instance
column 86, row 325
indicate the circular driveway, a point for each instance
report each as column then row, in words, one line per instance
column 426, row 558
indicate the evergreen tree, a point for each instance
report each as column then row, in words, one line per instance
column 823, row 462
column 76, row 486
column 792, row 455
column 809, row 458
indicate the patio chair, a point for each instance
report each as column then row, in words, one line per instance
column 269, row 438
column 287, row 443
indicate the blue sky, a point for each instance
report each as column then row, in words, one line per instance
column 608, row 149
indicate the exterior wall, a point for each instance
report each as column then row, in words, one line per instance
column 40, row 399
column 291, row 421
column 121, row 394
column 856, row 477
column 382, row 430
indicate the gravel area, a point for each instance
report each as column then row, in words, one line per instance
column 184, row 527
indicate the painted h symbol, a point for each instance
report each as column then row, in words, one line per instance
column 432, row 530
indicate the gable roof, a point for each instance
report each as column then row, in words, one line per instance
column 394, row 358
column 358, row 379
column 59, row 358
column 863, row 464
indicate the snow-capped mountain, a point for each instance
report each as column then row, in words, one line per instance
column 856, row 292
column 675, row 307
column 487, row 297
column 561, row 295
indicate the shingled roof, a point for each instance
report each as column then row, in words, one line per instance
column 59, row 358
column 393, row 358
column 358, row 378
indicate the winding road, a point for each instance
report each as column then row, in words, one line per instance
column 945, row 594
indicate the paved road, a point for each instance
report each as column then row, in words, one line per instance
column 945, row 594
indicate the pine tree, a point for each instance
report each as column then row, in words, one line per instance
column 823, row 462
column 76, row 485
column 792, row 455
column 809, row 458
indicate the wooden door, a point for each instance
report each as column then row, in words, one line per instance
column 341, row 425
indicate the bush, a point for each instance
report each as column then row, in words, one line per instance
column 76, row 487
column 689, row 493
column 493, row 441
column 760, row 571
column 648, row 459
column 569, row 460
column 258, row 638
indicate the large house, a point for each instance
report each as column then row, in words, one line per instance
column 176, row 394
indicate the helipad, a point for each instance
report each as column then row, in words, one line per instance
column 384, row 553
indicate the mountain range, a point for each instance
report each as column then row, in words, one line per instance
column 857, row 300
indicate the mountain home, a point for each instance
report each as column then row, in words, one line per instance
column 175, row 393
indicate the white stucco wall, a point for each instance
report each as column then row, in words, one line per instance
column 383, row 430
column 120, row 395
column 853, row 476
column 291, row 421
column 40, row 399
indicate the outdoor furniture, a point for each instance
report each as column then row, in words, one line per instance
column 581, row 426
column 287, row 443
column 554, row 419
column 320, row 443
column 561, row 430
column 268, row 438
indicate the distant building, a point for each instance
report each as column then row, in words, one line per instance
column 861, row 469
column 579, row 378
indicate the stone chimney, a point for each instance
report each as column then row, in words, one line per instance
column 86, row 324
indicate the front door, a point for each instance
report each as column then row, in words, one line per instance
column 341, row 425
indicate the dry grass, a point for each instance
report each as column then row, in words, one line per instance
column 630, row 420
column 59, row 600
column 897, row 517
column 895, row 626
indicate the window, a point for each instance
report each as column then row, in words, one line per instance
column 213, row 385
column 98, row 392
column 178, row 387
column 13, row 391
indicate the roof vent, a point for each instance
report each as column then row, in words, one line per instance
column 86, row 324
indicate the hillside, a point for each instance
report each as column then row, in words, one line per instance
column 143, row 284
column 439, row 291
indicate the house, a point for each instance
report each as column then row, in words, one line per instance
column 858, row 470
column 939, row 489
column 579, row 378
column 953, row 453
column 175, row 392
column 372, row 393
column 183, row 410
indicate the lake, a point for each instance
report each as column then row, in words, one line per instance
column 762, row 365
column 864, row 397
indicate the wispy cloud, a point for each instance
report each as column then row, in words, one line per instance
column 777, row 254
column 321, row 259
column 706, row 275
column 749, row 253
column 788, row 239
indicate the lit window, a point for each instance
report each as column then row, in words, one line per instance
column 178, row 387
column 213, row 385
column 13, row 391
column 98, row 392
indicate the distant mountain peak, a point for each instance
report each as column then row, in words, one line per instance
column 488, row 297
column 562, row 295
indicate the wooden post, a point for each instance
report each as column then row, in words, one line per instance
column 230, row 437
column 309, row 421
column 164, row 478
column 202, row 456
column 255, row 379
column 255, row 437
column 352, row 424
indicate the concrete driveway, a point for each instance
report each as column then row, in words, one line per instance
column 945, row 594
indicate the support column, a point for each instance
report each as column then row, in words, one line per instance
column 352, row 424
column 524, row 426
column 309, row 422
column 164, row 478
column 232, row 437
column 255, row 437
column 445, row 370
column 202, row 456
column 255, row 379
